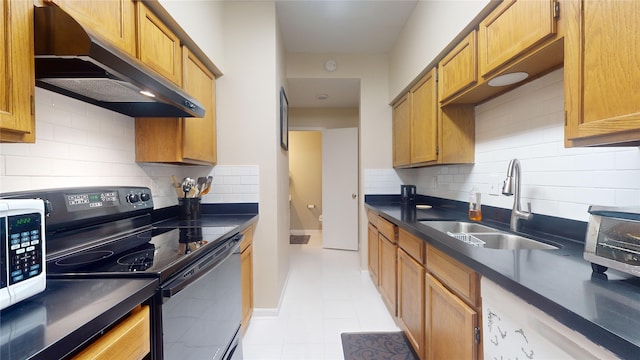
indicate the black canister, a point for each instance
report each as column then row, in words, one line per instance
column 189, row 208
column 408, row 194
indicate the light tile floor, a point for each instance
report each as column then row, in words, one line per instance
column 326, row 294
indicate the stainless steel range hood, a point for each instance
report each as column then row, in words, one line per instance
column 70, row 59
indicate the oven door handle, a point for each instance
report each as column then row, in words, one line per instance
column 203, row 266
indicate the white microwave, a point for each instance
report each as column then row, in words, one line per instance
column 22, row 261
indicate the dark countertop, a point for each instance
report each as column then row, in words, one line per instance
column 605, row 309
column 68, row 313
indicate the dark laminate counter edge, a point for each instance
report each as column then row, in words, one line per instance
column 538, row 287
column 67, row 315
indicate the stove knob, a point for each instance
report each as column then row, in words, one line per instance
column 145, row 197
column 132, row 198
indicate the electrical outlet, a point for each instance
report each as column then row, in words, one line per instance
column 495, row 185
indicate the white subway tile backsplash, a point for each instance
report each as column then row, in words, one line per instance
column 78, row 144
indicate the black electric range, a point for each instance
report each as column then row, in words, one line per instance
column 107, row 232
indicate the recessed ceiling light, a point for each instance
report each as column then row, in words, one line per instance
column 508, row 79
column 330, row 65
column 322, row 96
column 147, row 93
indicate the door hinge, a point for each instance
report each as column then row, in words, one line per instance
column 437, row 150
column 33, row 105
column 476, row 334
column 437, row 76
column 566, row 122
column 556, row 10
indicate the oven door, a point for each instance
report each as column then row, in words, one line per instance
column 201, row 310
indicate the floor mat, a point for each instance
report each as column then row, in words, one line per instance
column 299, row 239
column 377, row 346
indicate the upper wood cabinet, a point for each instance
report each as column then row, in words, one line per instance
column 17, row 120
column 457, row 71
column 424, row 119
column 183, row 140
column 113, row 20
column 425, row 134
column 158, row 46
column 512, row 28
column 601, row 77
column 402, row 132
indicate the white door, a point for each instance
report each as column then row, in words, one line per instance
column 340, row 189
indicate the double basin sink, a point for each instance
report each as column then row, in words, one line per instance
column 480, row 235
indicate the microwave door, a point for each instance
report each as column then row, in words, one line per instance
column 5, row 299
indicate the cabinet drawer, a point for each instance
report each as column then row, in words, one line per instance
column 455, row 276
column 458, row 70
column 388, row 230
column 373, row 218
column 247, row 240
column 412, row 245
column 128, row 340
column 513, row 28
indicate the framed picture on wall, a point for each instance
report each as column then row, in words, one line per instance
column 284, row 120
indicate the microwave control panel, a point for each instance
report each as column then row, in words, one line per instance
column 25, row 247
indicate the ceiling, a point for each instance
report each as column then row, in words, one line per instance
column 338, row 27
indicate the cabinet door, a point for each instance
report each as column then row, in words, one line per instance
column 373, row 253
column 388, row 273
column 113, row 20
column 158, row 46
column 411, row 300
column 200, row 133
column 402, row 132
column 514, row 27
column 246, row 269
column 450, row 324
column 17, row 121
column 602, row 97
column 458, row 70
column 424, row 119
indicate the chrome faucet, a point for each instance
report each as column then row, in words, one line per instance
column 513, row 176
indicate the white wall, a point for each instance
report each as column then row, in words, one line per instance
column 431, row 27
column 248, row 133
column 322, row 118
column 527, row 123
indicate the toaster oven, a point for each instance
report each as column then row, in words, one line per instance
column 613, row 239
column 22, row 254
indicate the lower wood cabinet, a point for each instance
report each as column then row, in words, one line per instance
column 246, row 270
column 411, row 298
column 373, row 251
column 129, row 340
column 451, row 325
column 388, row 273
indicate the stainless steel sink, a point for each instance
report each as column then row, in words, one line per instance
column 485, row 236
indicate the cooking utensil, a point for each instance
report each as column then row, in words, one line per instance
column 186, row 185
column 207, row 186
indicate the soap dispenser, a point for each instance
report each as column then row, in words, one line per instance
column 475, row 206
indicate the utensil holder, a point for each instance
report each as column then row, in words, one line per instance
column 189, row 208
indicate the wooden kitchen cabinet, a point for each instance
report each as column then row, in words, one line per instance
column 602, row 97
column 451, row 325
column 388, row 271
column 424, row 119
column 115, row 20
column 402, row 132
column 373, row 253
column 426, row 134
column 128, row 340
column 411, row 289
column 246, row 269
column 513, row 28
column 17, row 118
column 183, row 140
column 451, row 308
column 158, row 46
column 458, row 70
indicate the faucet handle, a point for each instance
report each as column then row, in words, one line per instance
column 529, row 213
